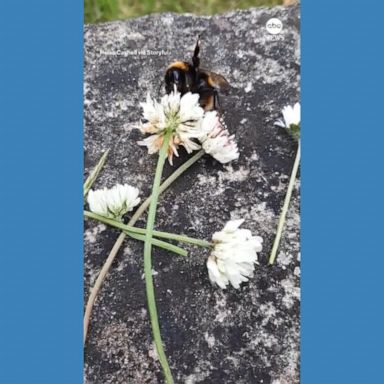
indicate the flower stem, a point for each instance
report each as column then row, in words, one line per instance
column 160, row 244
column 95, row 172
column 116, row 247
column 285, row 207
column 141, row 231
column 148, row 261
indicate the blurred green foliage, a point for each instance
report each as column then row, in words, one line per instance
column 106, row 10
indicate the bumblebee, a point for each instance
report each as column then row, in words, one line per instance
column 189, row 77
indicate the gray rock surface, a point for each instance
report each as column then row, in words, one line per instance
column 213, row 336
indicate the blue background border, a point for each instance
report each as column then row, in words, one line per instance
column 342, row 208
column 41, row 69
column 41, row 192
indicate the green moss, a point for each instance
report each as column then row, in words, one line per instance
column 96, row 11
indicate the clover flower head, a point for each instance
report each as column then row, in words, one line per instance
column 291, row 116
column 291, row 119
column 181, row 114
column 216, row 139
column 233, row 256
column 114, row 202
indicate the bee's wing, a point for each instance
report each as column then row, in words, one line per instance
column 218, row 81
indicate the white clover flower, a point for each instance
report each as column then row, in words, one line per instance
column 234, row 255
column 291, row 116
column 216, row 139
column 181, row 114
column 115, row 202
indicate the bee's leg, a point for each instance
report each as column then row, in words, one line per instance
column 209, row 99
column 216, row 101
column 195, row 58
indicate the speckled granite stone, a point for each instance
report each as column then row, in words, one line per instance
column 211, row 336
